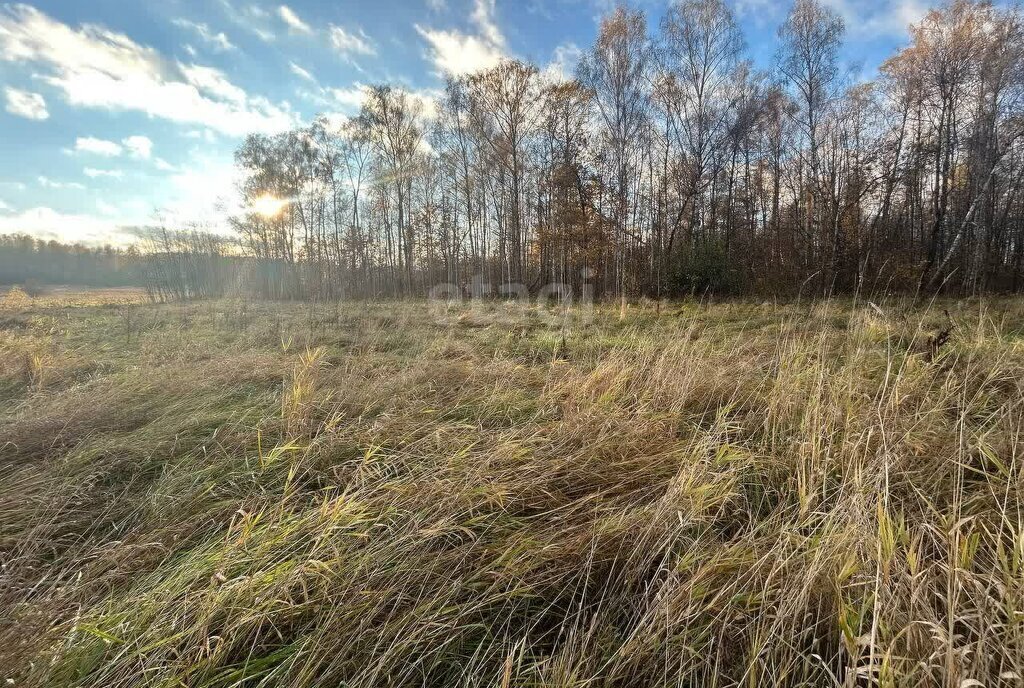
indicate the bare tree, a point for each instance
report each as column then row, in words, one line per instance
column 809, row 59
column 505, row 99
column 617, row 70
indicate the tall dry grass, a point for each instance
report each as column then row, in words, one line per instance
column 365, row 495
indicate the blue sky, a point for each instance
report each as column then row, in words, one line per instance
column 116, row 112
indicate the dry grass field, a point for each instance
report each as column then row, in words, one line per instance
column 17, row 298
column 377, row 494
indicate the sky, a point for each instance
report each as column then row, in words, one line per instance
column 116, row 115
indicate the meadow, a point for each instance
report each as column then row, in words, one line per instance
column 240, row 493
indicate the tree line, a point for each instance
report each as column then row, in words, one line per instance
column 668, row 165
column 168, row 264
column 25, row 260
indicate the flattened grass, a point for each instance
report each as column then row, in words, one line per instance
column 255, row 494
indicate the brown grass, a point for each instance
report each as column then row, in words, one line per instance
column 244, row 494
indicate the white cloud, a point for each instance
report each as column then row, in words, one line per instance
column 48, row 183
column 458, row 53
column 214, row 83
column 252, row 18
column 437, row 5
column 163, row 165
column 300, row 72
column 47, row 223
column 898, row 21
column 96, row 68
column 483, row 17
column 25, row 104
column 106, row 208
column 218, row 41
column 539, row 8
column 864, row 19
column 761, row 11
column 139, row 146
column 867, row 20
column 4, row 208
column 563, row 62
column 206, row 135
column 350, row 99
column 94, row 173
column 454, row 52
column 428, row 100
column 288, row 16
column 89, row 144
column 349, row 43
column 206, row 192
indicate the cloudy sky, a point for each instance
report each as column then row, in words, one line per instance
column 114, row 113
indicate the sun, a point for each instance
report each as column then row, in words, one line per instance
column 268, row 206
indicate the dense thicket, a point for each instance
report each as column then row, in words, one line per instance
column 668, row 165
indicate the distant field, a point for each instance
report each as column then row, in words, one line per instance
column 249, row 494
column 14, row 297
